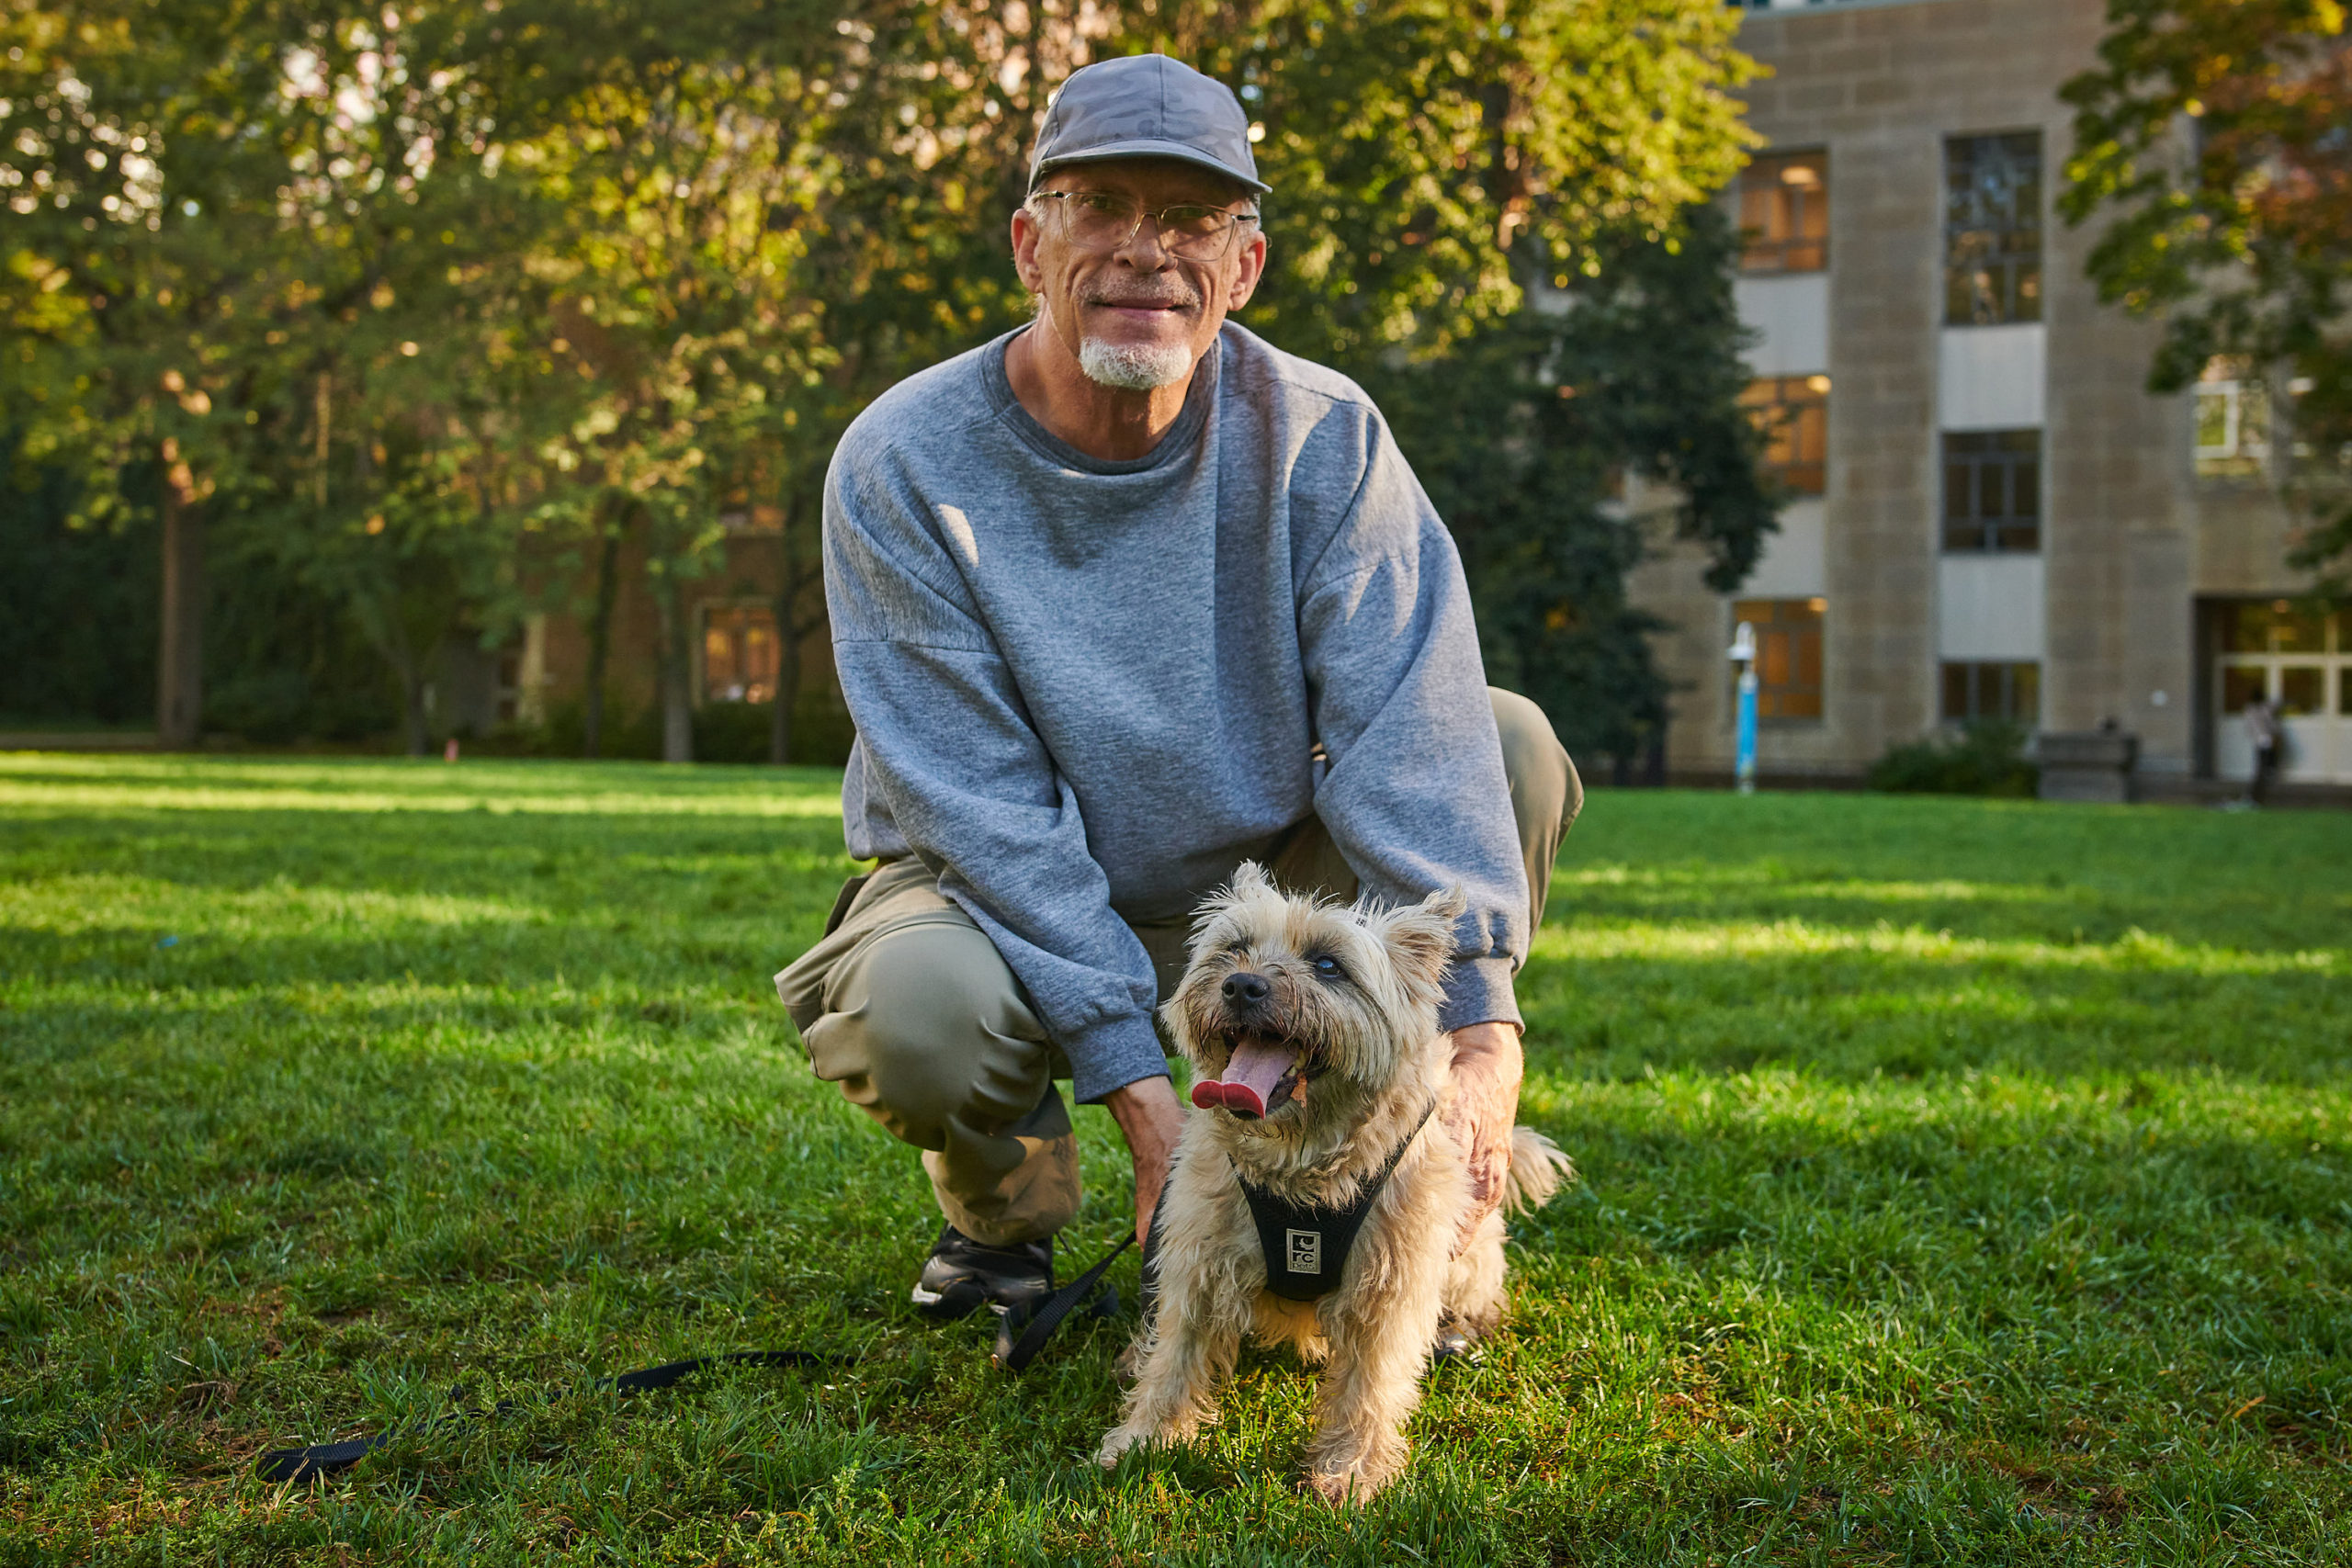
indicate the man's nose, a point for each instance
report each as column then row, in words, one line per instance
column 1245, row 988
column 1143, row 250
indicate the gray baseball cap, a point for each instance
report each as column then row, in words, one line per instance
column 1146, row 105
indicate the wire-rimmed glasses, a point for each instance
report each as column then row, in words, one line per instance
column 1192, row 230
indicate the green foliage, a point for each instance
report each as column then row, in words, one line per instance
column 1525, row 431
column 1961, row 1179
column 1426, row 159
column 739, row 732
column 2239, row 229
column 723, row 732
column 77, row 608
column 421, row 304
column 1986, row 757
column 78, row 630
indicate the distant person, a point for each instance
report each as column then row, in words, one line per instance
column 2262, row 729
column 1121, row 599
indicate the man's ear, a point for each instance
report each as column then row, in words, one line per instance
column 1252, row 268
column 1026, row 231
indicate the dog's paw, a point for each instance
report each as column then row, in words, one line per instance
column 1119, row 1441
column 1342, row 1488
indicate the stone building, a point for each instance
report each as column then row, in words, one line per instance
column 1994, row 517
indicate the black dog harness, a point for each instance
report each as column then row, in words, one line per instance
column 1306, row 1248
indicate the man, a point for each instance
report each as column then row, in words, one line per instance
column 1119, row 601
column 2263, row 730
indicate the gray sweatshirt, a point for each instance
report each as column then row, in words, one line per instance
column 1084, row 691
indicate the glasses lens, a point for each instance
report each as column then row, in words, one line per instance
column 1196, row 233
column 1099, row 221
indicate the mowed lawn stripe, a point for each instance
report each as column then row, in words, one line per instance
column 1962, row 1181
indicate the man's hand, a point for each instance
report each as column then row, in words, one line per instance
column 1148, row 1113
column 1487, row 1069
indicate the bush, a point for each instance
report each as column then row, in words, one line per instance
column 738, row 732
column 1986, row 757
column 724, row 732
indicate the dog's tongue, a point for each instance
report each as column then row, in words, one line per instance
column 1250, row 1078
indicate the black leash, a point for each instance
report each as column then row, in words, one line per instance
column 1033, row 1329
column 325, row 1459
column 1019, row 1338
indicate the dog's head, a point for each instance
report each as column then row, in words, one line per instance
column 1290, row 1002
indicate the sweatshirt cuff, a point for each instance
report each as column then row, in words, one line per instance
column 1112, row 1054
column 1477, row 990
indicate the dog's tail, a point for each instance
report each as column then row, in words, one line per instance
column 1538, row 1170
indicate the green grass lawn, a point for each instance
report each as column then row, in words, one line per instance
column 1963, row 1182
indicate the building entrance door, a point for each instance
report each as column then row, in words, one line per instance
column 2303, row 664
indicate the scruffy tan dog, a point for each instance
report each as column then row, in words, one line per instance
column 1323, row 1083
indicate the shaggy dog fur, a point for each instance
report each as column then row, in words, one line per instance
column 1352, row 995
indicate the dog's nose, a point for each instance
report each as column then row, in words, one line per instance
column 1245, row 988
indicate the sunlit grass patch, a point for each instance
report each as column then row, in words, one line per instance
column 1962, row 1181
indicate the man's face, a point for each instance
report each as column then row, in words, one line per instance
column 1137, row 316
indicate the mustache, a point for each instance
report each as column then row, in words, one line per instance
column 1181, row 299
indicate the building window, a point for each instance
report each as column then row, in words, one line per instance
column 1793, row 413
column 1993, row 489
column 1993, row 229
column 739, row 653
column 2281, row 626
column 1788, row 655
column 1784, row 213
column 1974, row 690
column 2232, row 421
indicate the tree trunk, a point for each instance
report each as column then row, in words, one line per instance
column 600, row 643
column 418, row 721
column 796, row 578
column 408, row 669
column 788, row 680
column 179, row 664
column 677, row 699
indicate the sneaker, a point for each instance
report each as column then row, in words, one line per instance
column 1454, row 1345
column 962, row 1275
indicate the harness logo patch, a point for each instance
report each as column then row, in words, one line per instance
column 1306, row 1252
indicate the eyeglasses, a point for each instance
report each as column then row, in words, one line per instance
column 1097, row 221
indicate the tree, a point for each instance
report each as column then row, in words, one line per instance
column 421, row 297
column 1429, row 159
column 2214, row 134
column 252, row 266
column 675, row 300
column 1527, row 430
column 117, row 273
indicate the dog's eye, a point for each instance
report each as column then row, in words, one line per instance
column 1328, row 967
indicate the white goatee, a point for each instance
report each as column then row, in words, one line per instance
column 1134, row 367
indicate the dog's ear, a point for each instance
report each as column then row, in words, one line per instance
column 1249, row 879
column 1420, row 937
column 1446, row 903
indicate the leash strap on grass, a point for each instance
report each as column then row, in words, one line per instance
column 1016, row 1354
column 325, row 1459
column 1013, row 1353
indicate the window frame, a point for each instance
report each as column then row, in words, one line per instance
column 2010, row 677
column 1802, row 249
column 1995, row 535
column 743, row 612
column 1790, row 645
column 1792, row 426
column 1993, row 226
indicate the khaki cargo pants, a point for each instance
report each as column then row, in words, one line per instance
column 906, row 1006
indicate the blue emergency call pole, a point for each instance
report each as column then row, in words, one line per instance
column 1743, row 653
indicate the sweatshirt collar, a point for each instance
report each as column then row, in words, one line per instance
column 1173, row 447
